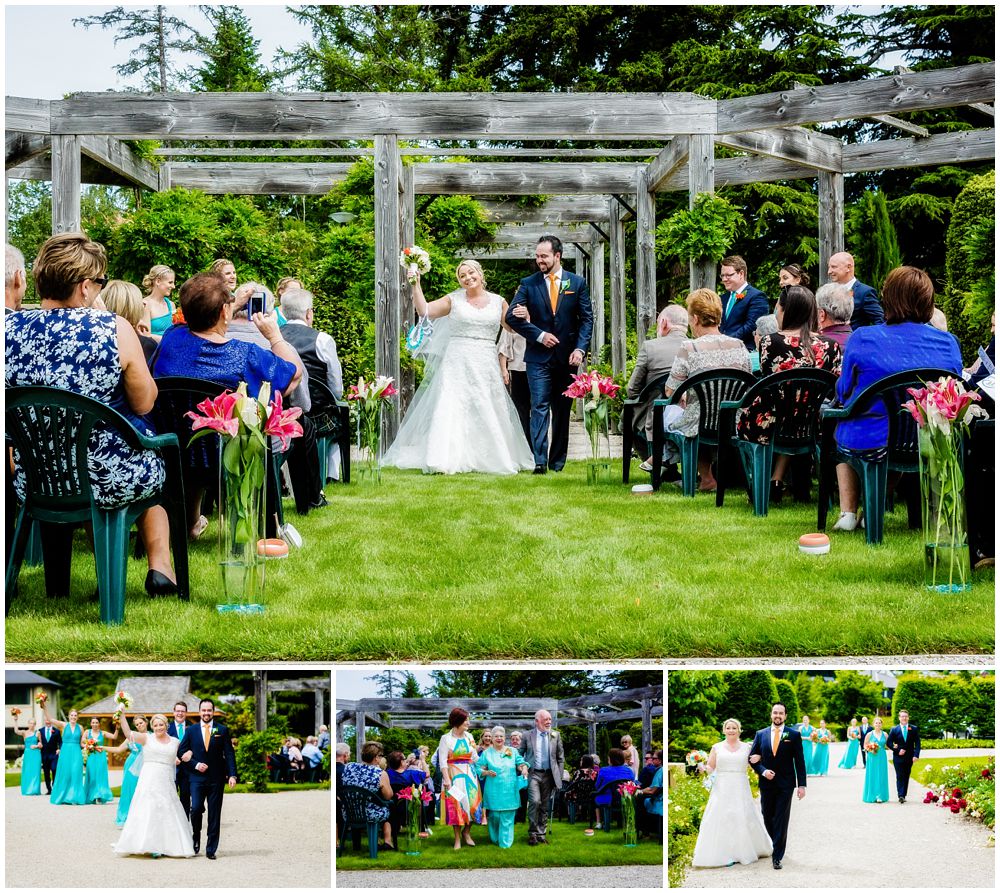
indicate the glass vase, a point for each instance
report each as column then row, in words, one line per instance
column 628, row 820
column 942, row 498
column 595, row 422
column 242, row 501
column 413, row 825
column 369, row 465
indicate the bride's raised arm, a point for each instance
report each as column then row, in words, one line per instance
column 433, row 309
column 137, row 737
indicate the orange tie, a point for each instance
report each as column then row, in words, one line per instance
column 204, row 734
column 774, row 741
column 553, row 291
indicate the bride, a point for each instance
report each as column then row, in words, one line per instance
column 156, row 823
column 461, row 418
column 732, row 827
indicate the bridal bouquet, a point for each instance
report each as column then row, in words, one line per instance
column 627, row 792
column 367, row 399
column 41, row 698
column 89, row 746
column 597, row 391
column 15, row 712
column 414, row 260
column 124, row 700
column 695, row 757
column 943, row 411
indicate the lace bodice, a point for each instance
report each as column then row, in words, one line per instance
column 155, row 752
column 731, row 761
column 469, row 321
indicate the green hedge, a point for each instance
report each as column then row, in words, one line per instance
column 939, row 704
column 749, row 698
column 955, row 743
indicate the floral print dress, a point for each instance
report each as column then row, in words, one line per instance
column 76, row 349
column 779, row 353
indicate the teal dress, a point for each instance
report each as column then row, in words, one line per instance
column 159, row 324
column 68, row 785
column 850, row 759
column 31, row 768
column 821, row 756
column 807, row 747
column 876, row 773
column 97, row 788
column 130, row 777
column 502, row 798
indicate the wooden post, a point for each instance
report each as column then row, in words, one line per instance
column 617, row 250
column 831, row 218
column 647, row 724
column 645, row 258
column 701, row 178
column 359, row 734
column 65, row 184
column 592, row 737
column 596, row 282
column 407, row 237
column 388, row 273
column 318, row 713
column 260, row 699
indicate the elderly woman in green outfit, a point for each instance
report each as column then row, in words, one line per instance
column 501, row 764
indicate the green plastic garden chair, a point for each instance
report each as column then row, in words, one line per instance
column 799, row 393
column 355, row 801
column 629, row 435
column 333, row 424
column 900, row 455
column 51, row 429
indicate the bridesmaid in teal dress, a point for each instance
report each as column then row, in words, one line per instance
column 130, row 772
column 31, row 761
column 807, row 745
column 500, row 764
column 821, row 753
column 67, row 788
column 96, row 787
column 850, row 758
column 876, row 767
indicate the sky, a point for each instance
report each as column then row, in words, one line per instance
column 352, row 685
column 39, row 40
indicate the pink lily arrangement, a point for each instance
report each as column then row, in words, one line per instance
column 597, row 391
column 367, row 399
column 628, row 789
column 943, row 403
column 592, row 385
column 225, row 413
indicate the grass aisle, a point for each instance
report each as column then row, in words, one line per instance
column 479, row 567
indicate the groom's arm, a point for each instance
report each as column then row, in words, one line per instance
column 798, row 758
column 228, row 753
column 527, row 329
column 755, row 748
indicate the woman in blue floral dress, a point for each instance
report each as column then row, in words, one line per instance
column 69, row 345
column 367, row 774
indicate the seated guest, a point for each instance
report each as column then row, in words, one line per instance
column 311, row 753
column 295, row 758
column 159, row 285
column 795, row 345
column 367, row 774
column 709, row 349
column 792, row 274
column 582, row 792
column 742, row 304
column 655, row 359
column 651, row 820
column 202, row 349
column 69, row 344
column 766, row 325
column 611, row 775
column 318, row 352
column 15, row 279
column 652, row 763
column 125, row 300
column 904, row 342
column 835, row 305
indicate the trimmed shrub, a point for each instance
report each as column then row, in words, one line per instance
column 748, row 698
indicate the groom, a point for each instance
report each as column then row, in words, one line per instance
column 904, row 742
column 780, row 764
column 556, row 324
column 207, row 752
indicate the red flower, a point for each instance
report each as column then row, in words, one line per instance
column 985, row 774
column 426, row 796
column 217, row 414
column 956, row 809
column 281, row 423
column 405, row 794
column 957, row 792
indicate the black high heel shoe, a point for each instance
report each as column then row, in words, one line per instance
column 159, row 584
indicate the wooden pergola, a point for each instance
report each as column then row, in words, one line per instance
column 430, row 714
column 591, row 200
column 264, row 687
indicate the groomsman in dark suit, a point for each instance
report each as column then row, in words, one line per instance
column 557, row 335
column 207, row 751
column 176, row 729
column 867, row 309
column 904, row 742
column 865, row 729
column 742, row 304
column 781, row 766
column 51, row 741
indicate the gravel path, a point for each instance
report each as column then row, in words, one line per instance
column 835, row 840
column 279, row 840
column 631, row 877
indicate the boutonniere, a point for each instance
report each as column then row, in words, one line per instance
column 507, row 752
column 553, row 733
column 784, row 736
column 564, row 287
column 740, row 295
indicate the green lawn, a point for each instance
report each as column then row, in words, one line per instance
column 479, row 567
column 568, row 846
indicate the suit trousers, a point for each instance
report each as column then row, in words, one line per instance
column 540, row 787
column 903, row 767
column 303, row 467
column 207, row 792
column 547, row 381
column 49, row 764
column 776, row 807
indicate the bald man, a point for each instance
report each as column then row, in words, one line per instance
column 867, row 309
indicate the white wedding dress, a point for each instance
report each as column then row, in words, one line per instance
column 732, row 827
column 461, row 418
column 156, row 822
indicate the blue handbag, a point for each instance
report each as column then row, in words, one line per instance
column 419, row 335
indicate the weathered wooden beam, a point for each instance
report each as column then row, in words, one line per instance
column 321, row 683
column 495, row 116
column 498, row 252
column 248, row 178
column 701, row 178
column 616, row 249
column 558, row 209
column 904, row 92
column 429, row 152
column 596, row 282
column 388, row 274
column 892, row 121
column 526, row 178
column 529, row 234
column 122, row 159
column 668, row 161
column 795, row 144
column 27, row 115
column 65, row 184
column 645, row 256
column 941, row 148
column 831, row 218
column 21, row 147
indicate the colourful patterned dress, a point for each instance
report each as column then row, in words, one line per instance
column 463, row 800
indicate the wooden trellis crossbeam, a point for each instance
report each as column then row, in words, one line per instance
column 558, row 209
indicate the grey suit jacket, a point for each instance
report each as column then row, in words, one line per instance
column 556, row 755
column 655, row 359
